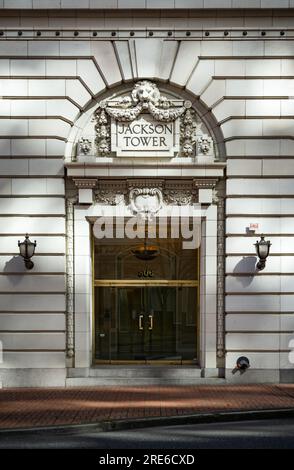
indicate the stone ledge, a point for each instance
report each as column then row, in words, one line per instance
column 27, row 378
column 144, row 4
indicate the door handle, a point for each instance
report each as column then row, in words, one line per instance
column 150, row 322
column 141, row 322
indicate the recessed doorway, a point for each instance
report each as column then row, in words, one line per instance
column 146, row 308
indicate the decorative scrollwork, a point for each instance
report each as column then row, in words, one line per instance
column 179, row 197
column 109, row 197
column 145, row 201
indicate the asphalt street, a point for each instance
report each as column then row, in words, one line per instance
column 258, row 434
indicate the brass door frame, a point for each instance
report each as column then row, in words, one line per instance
column 144, row 283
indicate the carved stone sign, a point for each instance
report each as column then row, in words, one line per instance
column 144, row 122
column 145, row 136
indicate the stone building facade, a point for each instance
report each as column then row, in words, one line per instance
column 140, row 106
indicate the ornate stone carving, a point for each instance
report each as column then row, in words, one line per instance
column 85, row 146
column 150, row 195
column 219, row 199
column 145, row 122
column 145, row 97
column 70, row 202
column 102, row 128
column 204, row 144
column 109, row 197
column 145, row 201
column 111, row 193
column 188, row 133
column 179, row 197
column 180, row 193
column 145, row 91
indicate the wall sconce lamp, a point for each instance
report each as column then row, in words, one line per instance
column 262, row 250
column 242, row 363
column 27, row 251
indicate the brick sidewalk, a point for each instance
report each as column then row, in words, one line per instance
column 55, row 406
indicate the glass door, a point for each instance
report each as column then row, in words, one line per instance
column 145, row 307
column 146, row 324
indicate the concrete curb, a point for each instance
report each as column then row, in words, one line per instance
column 128, row 424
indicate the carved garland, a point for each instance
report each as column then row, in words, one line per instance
column 188, row 127
column 102, row 128
column 145, row 97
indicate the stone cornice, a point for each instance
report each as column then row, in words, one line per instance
column 150, row 164
column 221, row 33
column 179, row 184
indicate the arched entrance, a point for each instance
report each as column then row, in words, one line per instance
column 143, row 153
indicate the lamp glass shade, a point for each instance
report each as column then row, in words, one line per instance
column 27, row 248
column 262, row 248
column 30, row 249
column 263, row 251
